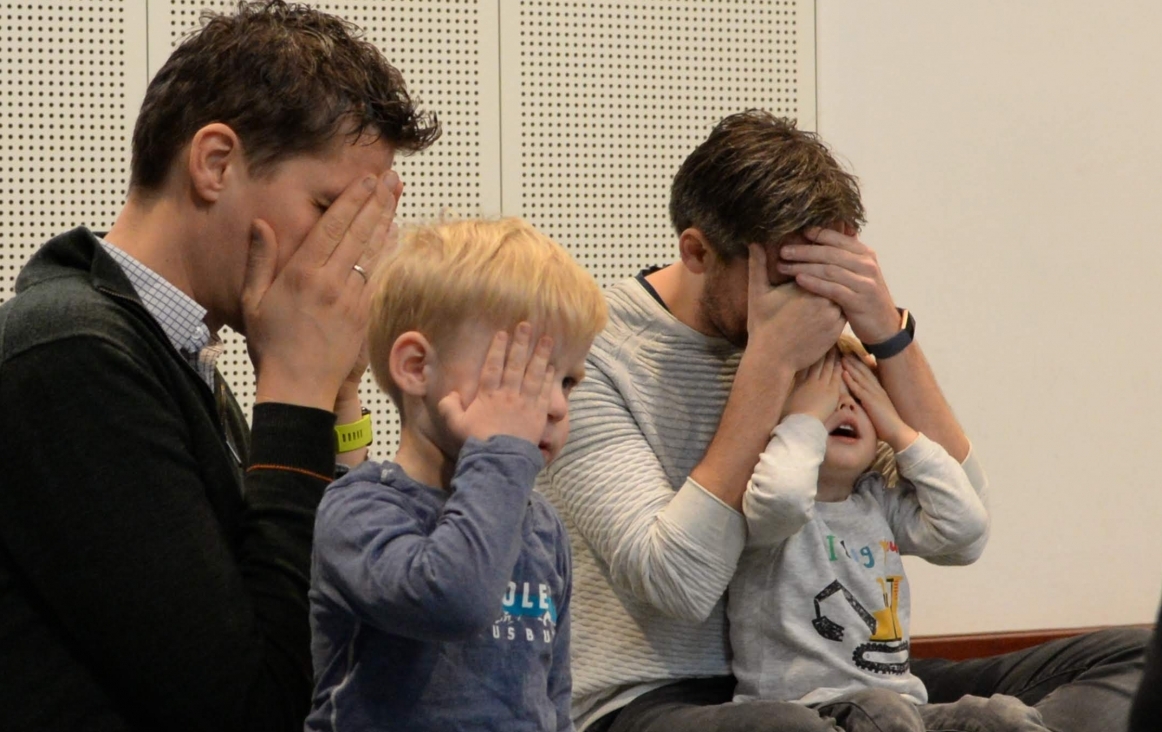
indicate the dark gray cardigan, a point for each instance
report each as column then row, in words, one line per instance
column 147, row 581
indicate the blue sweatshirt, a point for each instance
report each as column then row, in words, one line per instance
column 433, row 610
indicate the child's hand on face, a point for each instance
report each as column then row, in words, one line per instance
column 513, row 395
column 865, row 387
column 816, row 391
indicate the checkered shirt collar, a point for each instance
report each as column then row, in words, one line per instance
column 180, row 317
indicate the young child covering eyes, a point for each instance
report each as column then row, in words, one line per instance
column 819, row 605
column 440, row 582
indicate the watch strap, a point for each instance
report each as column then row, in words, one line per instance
column 898, row 342
column 354, row 435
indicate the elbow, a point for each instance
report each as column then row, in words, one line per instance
column 974, row 548
column 685, row 596
column 966, row 551
column 461, row 622
column 973, row 535
column 462, row 610
column 973, row 552
column 967, row 554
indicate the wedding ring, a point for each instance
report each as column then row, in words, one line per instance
column 362, row 272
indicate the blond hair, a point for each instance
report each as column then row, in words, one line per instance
column 496, row 272
column 885, row 459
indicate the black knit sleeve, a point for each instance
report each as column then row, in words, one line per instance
column 143, row 600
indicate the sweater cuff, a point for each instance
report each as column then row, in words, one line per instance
column 923, row 449
column 522, row 458
column 504, row 445
column 291, row 436
column 707, row 519
column 804, row 429
column 913, row 455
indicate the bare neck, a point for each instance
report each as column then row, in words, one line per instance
column 836, row 484
column 681, row 291
column 423, row 461
column 833, row 491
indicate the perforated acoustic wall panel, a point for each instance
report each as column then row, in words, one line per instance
column 71, row 76
column 573, row 114
column 603, row 101
column 446, row 50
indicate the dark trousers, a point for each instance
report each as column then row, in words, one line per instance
column 1081, row 684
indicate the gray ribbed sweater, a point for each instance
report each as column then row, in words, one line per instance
column 652, row 551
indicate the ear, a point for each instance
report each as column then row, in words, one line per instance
column 215, row 155
column 695, row 250
column 410, row 363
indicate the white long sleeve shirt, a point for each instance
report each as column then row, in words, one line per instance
column 820, row 605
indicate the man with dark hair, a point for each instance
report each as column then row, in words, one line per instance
column 154, row 552
column 683, row 391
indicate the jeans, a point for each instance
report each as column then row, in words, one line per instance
column 1080, row 684
column 880, row 710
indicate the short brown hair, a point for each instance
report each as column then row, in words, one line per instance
column 758, row 178
column 285, row 78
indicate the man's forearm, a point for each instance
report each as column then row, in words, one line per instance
column 751, row 413
column 910, row 383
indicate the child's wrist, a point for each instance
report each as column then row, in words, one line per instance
column 806, row 412
column 902, row 439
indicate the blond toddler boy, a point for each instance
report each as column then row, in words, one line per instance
column 819, row 605
column 440, row 582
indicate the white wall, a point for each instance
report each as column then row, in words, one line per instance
column 1011, row 161
column 1010, row 158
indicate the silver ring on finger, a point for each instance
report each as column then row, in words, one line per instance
column 361, row 272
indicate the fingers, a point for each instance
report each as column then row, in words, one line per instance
column 857, row 390
column 332, row 227
column 843, row 252
column 515, row 390
column 451, row 408
column 534, row 379
column 518, row 358
column 384, row 237
column 859, row 377
column 839, row 293
column 261, row 262
column 853, row 363
column 368, row 228
column 550, row 378
column 852, row 276
column 833, row 240
column 491, row 374
column 815, row 370
column 391, row 240
column 828, row 366
column 383, row 241
column 525, row 369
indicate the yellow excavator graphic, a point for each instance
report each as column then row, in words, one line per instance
column 887, row 632
column 888, row 626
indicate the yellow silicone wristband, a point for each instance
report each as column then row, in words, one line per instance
column 354, row 435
